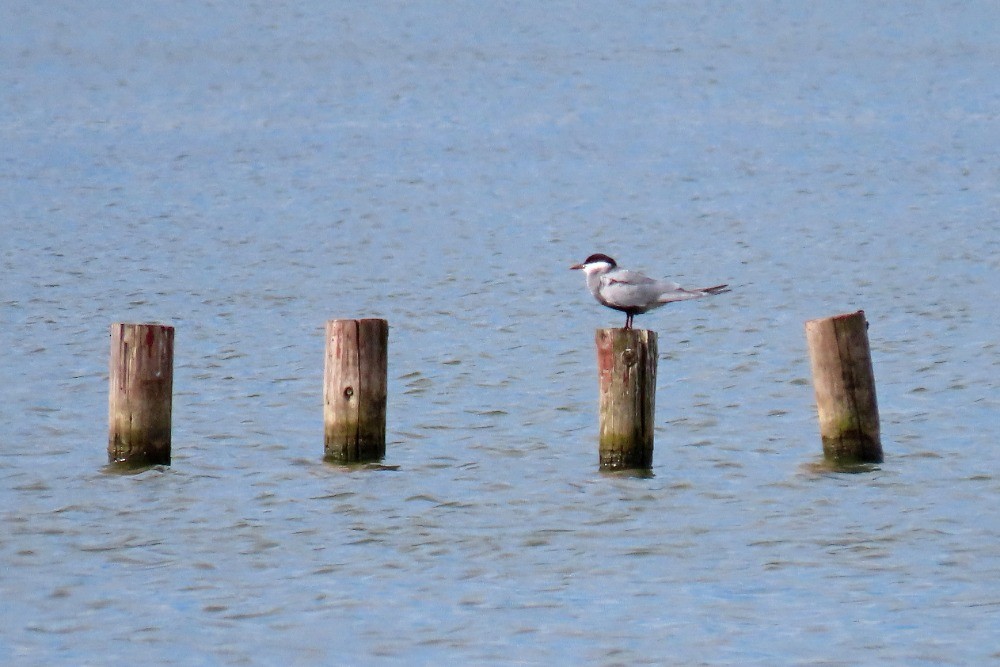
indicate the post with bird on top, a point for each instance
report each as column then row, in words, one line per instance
column 626, row 366
column 355, row 390
column 844, row 384
column 140, row 394
column 627, row 358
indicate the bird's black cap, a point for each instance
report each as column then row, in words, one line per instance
column 600, row 257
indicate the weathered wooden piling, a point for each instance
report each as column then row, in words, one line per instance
column 626, row 363
column 844, row 382
column 141, row 394
column 354, row 390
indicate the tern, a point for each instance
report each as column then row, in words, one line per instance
column 630, row 291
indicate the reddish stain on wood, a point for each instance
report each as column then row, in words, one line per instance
column 140, row 394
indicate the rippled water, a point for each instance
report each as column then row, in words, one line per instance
column 246, row 172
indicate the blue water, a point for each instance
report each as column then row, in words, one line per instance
column 247, row 171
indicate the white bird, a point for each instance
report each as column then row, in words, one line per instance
column 630, row 291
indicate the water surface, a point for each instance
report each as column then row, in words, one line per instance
column 247, row 172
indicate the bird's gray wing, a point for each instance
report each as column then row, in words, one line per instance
column 626, row 277
column 629, row 289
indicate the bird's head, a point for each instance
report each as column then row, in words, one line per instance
column 596, row 264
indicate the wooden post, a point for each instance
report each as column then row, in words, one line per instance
column 141, row 393
column 626, row 364
column 354, row 390
column 845, row 388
